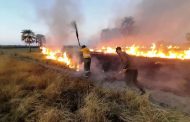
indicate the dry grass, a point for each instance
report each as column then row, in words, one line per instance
column 29, row 92
column 103, row 105
column 56, row 115
column 26, row 87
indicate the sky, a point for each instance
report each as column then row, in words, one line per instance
column 17, row 15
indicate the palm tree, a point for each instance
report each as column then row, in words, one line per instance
column 40, row 39
column 28, row 37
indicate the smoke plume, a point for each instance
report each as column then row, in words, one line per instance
column 125, row 27
column 58, row 17
column 164, row 19
column 153, row 20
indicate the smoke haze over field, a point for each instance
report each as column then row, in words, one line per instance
column 148, row 21
column 164, row 19
column 153, row 20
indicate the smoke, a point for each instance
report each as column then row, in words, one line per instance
column 169, row 77
column 152, row 21
column 126, row 27
column 58, row 17
column 156, row 74
column 163, row 20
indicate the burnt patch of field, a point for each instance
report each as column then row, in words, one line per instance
column 154, row 73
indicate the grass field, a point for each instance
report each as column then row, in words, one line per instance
column 30, row 92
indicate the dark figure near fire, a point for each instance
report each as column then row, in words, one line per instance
column 131, row 73
column 86, row 59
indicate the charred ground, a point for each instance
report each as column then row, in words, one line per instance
column 154, row 73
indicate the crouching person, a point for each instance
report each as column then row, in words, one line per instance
column 131, row 73
column 86, row 59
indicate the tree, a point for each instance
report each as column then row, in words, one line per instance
column 28, row 37
column 40, row 39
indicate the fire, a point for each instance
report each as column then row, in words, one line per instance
column 168, row 52
column 60, row 56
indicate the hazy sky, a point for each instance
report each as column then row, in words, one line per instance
column 17, row 15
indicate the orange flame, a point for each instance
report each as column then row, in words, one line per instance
column 169, row 52
column 59, row 56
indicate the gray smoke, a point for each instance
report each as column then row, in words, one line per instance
column 58, row 17
column 126, row 27
column 163, row 19
column 153, row 20
column 168, row 77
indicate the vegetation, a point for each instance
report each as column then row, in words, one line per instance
column 40, row 39
column 28, row 37
column 30, row 92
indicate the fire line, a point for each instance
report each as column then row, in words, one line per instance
column 167, row 52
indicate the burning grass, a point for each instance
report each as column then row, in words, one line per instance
column 29, row 92
column 159, row 51
column 61, row 57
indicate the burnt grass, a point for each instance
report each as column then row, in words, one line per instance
column 31, row 92
column 154, row 73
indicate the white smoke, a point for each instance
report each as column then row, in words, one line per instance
column 58, row 17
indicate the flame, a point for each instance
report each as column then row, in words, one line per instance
column 169, row 52
column 60, row 56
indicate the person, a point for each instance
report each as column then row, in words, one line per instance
column 86, row 59
column 131, row 73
